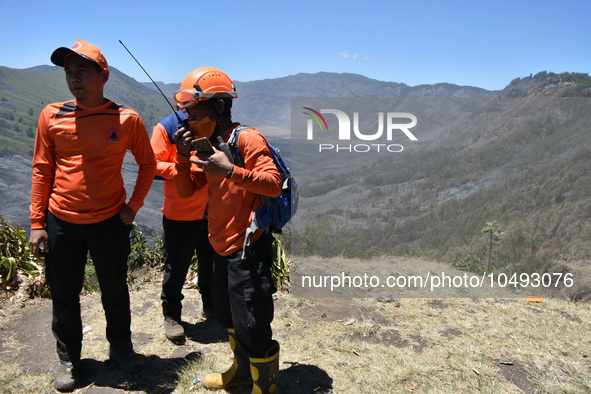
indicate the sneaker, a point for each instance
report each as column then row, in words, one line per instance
column 128, row 360
column 174, row 331
column 65, row 377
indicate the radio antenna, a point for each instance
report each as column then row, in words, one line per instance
column 184, row 123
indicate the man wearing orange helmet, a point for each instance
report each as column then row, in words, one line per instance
column 185, row 233
column 243, row 287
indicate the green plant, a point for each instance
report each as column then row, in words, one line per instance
column 494, row 235
column 141, row 252
column 16, row 258
column 280, row 266
column 91, row 284
column 470, row 263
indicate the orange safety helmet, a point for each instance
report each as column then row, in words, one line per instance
column 203, row 84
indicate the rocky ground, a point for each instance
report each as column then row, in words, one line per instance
column 329, row 345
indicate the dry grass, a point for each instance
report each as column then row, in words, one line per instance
column 354, row 345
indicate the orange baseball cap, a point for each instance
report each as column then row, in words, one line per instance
column 82, row 48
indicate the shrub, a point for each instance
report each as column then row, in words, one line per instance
column 470, row 263
column 141, row 252
column 16, row 259
column 280, row 266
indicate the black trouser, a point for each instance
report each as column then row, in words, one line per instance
column 243, row 295
column 109, row 246
column 181, row 240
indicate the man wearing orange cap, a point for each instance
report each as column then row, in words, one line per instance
column 185, row 233
column 78, row 205
column 243, row 288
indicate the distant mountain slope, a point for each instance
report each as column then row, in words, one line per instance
column 24, row 93
column 523, row 158
column 267, row 102
column 527, row 167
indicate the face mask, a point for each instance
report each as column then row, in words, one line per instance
column 202, row 128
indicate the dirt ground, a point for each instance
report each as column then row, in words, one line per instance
column 329, row 345
column 26, row 340
column 27, row 343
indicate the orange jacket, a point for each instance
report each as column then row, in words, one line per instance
column 174, row 207
column 233, row 201
column 77, row 162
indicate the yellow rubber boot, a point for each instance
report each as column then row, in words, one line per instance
column 265, row 372
column 239, row 372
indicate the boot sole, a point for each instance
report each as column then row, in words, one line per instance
column 177, row 340
column 235, row 384
column 65, row 387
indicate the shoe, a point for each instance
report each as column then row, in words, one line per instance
column 265, row 372
column 66, row 377
column 239, row 372
column 128, row 360
column 174, row 331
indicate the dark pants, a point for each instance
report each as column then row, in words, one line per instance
column 181, row 240
column 243, row 295
column 109, row 246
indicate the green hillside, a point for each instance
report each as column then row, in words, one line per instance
column 266, row 103
column 523, row 160
column 24, row 93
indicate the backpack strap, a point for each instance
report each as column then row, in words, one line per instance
column 233, row 144
column 239, row 160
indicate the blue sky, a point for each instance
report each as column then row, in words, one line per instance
column 484, row 44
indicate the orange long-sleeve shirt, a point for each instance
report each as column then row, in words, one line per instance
column 77, row 162
column 174, row 207
column 233, row 201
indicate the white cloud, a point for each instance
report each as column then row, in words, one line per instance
column 348, row 55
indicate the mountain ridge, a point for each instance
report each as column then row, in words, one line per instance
column 521, row 161
column 512, row 163
column 266, row 103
